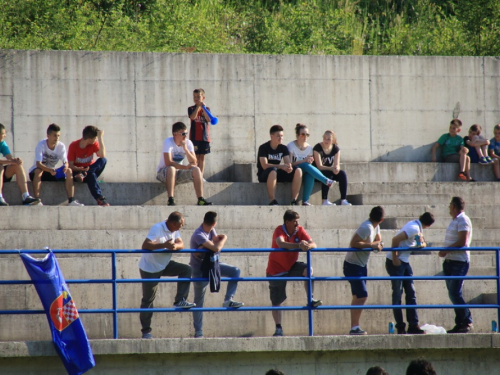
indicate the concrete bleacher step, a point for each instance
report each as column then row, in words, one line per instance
column 375, row 199
column 388, row 172
column 230, row 217
column 248, row 193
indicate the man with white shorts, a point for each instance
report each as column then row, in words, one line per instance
column 170, row 169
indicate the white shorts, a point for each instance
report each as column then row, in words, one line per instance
column 182, row 176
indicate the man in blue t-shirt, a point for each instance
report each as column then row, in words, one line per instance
column 205, row 237
column 10, row 167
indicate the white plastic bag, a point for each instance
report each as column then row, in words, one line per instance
column 432, row 329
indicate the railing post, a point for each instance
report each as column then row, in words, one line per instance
column 497, row 253
column 309, row 294
column 115, row 313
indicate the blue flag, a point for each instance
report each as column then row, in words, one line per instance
column 68, row 334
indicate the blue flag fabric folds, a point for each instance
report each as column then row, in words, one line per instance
column 68, row 334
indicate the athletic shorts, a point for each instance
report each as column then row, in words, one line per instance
column 358, row 287
column 282, row 176
column 201, row 147
column 277, row 288
column 5, row 179
column 182, row 176
column 46, row 176
column 453, row 158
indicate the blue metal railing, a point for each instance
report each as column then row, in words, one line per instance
column 114, row 281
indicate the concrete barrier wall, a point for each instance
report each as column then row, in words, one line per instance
column 382, row 108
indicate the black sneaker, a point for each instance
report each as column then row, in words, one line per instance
column 203, row 202
column 415, row 330
column 101, row 201
column 171, row 201
column 316, row 302
column 401, row 331
column 464, row 328
column 3, row 202
column 294, row 202
column 30, row 201
column 274, row 202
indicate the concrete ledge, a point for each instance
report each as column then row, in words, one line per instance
column 261, row 344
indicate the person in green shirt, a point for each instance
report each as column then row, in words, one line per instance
column 453, row 150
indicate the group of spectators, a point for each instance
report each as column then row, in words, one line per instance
column 282, row 264
column 78, row 165
column 473, row 148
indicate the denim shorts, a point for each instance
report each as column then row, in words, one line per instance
column 358, row 287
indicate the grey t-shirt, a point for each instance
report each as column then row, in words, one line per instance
column 198, row 238
column 367, row 232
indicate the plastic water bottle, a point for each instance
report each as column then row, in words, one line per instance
column 417, row 239
column 494, row 327
column 391, row 328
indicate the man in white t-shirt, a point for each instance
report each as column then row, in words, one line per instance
column 398, row 264
column 456, row 263
column 170, row 169
column 162, row 236
column 48, row 152
column 367, row 239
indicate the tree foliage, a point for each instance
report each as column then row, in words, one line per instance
column 325, row 27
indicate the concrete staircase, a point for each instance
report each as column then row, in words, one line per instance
column 247, row 220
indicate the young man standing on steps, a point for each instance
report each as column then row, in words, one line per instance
column 270, row 170
column 397, row 263
column 82, row 163
column 170, row 169
column 205, row 237
column 291, row 236
column 367, row 238
column 10, row 167
column 48, row 152
column 162, row 236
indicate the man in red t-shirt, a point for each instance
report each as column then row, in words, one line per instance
column 290, row 236
column 82, row 163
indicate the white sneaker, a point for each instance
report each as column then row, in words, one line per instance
column 329, row 182
column 306, row 203
column 344, row 202
column 328, row 203
column 76, row 203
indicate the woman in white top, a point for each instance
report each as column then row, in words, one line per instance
column 301, row 155
column 327, row 160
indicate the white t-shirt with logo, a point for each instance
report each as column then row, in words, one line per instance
column 49, row 157
column 296, row 154
column 155, row 262
column 177, row 152
column 411, row 228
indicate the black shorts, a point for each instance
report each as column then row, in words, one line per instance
column 5, row 179
column 277, row 288
column 282, row 176
column 201, row 147
column 46, row 176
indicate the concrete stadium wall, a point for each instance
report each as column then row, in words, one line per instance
column 328, row 355
column 382, row 108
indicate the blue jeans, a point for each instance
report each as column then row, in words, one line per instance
column 95, row 171
column 311, row 173
column 457, row 268
column 201, row 287
column 397, row 291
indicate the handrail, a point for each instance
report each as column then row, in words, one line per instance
column 114, row 281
